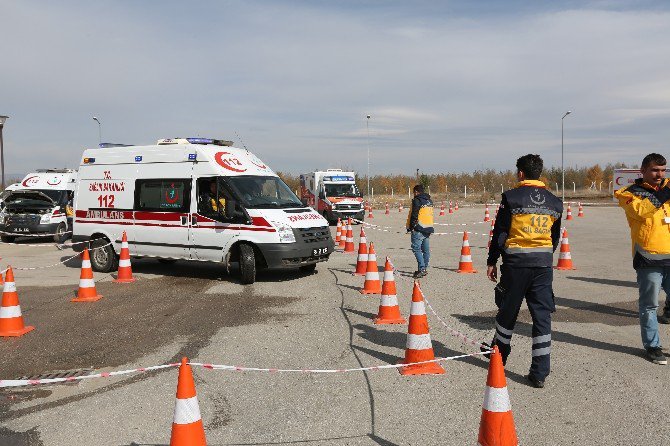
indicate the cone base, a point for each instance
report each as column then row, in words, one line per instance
column 95, row 298
column 430, row 368
column 364, row 291
column 132, row 279
column 16, row 333
column 383, row 321
column 356, row 273
column 565, row 268
column 487, row 219
column 570, row 218
column 466, row 271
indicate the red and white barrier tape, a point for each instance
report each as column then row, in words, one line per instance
column 234, row 368
column 62, row 262
column 17, row 234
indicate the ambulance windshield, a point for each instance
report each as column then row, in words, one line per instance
column 263, row 192
column 342, row 190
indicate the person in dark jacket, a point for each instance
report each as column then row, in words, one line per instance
column 526, row 234
column 420, row 224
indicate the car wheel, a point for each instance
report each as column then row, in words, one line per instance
column 7, row 239
column 61, row 233
column 247, row 264
column 308, row 268
column 103, row 257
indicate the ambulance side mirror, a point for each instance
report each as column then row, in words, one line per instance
column 322, row 195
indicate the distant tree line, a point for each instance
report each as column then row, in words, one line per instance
column 480, row 181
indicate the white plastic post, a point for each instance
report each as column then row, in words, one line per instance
column 465, row 191
column 391, row 192
column 409, row 192
column 574, row 187
column 501, row 189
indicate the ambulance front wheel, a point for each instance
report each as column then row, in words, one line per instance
column 247, row 264
column 308, row 269
column 61, row 233
column 103, row 257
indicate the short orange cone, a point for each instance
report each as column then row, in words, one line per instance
column 370, row 212
column 442, row 209
column 419, row 346
column 465, row 264
column 456, row 207
column 125, row 273
column 569, row 215
column 87, row 291
column 581, row 210
column 349, row 243
column 338, row 232
column 11, row 319
column 564, row 256
column 387, row 209
column 187, row 427
column 493, row 223
column 451, row 209
column 362, row 261
column 372, row 285
column 487, row 216
column 343, row 235
column 496, row 427
column 389, row 310
column 400, row 208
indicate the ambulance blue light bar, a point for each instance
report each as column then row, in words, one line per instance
column 138, row 159
column 107, row 145
column 192, row 156
column 215, row 142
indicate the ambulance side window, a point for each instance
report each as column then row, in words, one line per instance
column 212, row 196
column 163, row 195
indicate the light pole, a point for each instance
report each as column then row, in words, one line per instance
column 99, row 129
column 562, row 167
column 2, row 150
column 367, row 126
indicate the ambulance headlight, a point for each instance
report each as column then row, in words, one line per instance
column 285, row 232
column 46, row 218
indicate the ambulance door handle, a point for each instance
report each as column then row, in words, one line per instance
column 184, row 220
column 194, row 220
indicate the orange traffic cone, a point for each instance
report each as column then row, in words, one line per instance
column 349, row 243
column 372, row 284
column 442, row 209
column 456, row 207
column 451, row 209
column 564, row 256
column 11, row 320
column 569, row 215
column 493, row 223
column 125, row 273
column 419, row 346
column 389, row 310
column 338, row 232
column 362, row 262
column 87, row 291
column 387, row 209
column 581, row 210
column 400, row 208
column 465, row 264
column 487, row 216
column 496, row 427
column 370, row 212
column 343, row 235
column 187, row 427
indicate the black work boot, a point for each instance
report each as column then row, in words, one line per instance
column 664, row 318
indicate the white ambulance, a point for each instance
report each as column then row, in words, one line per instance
column 38, row 205
column 332, row 193
column 194, row 199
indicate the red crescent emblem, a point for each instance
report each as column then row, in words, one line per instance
column 230, row 163
column 176, row 195
column 54, row 181
column 28, row 179
column 617, row 181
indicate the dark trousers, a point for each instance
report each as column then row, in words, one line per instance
column 533, row 284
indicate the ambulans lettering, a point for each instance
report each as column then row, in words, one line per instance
column 228, row 161
column 294, row 218
column 107, row 186
column 106, row 215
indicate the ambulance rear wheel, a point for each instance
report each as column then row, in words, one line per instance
column 308, row 269
column 103, row 257
column 60, row 234
column 247, row 264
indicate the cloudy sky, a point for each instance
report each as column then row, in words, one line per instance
column 450, row 86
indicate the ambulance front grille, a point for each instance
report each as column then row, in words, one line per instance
column 313, row 235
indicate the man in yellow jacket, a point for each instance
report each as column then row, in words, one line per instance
column 647, row 206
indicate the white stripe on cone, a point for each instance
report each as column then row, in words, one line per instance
column 388, row 276
column 467, row 259
column 389, row 301
column 85, row 263
column 124, row 262
column 124, row 245
column 10, row 312
column 9, row 287
column 564, row 255
column 419, row 342
column 372, row 275
column 186, row 411
column 417, row 308
column 86, row 283
column 497, row 400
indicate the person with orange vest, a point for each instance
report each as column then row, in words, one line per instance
column 526, row 234
column 647, row 206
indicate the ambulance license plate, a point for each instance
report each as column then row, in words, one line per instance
column 319, row 252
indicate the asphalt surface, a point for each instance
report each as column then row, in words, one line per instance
column 601, row 391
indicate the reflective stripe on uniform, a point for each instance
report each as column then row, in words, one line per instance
column 186, row 411
column 517, row 250
column 541, row 351
column 503, row 330
column 541, row 339
column 503, row 339
column 647, row 255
